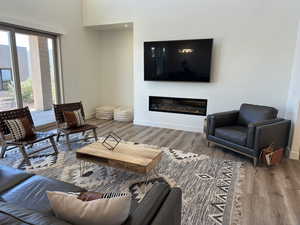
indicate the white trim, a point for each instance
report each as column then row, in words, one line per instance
column 112, row 26
column 30, row 24
column 294, row 155
column 60, row 70
column 171, row 126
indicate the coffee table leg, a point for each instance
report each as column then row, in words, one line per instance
column 82, row 167
column 144, row 189
column 155, row 173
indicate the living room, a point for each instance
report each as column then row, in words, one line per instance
column 209, row 164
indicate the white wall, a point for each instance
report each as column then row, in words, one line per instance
column 80, row 67
column 293, row 103
column 252, row 59
column 294, row 90
column 116, row 67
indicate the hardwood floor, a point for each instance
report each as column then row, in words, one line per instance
column 270, row 195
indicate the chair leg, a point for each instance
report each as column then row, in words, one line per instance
column 25, row 156
column 3, row 150
column 95, row 134
column 53, row 145
column 85, row 136
column 208, row 144
column 57, row 137
column 68, row 142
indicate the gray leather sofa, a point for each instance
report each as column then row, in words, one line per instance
column 248, row 130
column 23, row 201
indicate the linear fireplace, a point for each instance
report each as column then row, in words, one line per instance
column 178, row 105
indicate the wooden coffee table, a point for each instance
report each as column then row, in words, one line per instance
column 129, row 157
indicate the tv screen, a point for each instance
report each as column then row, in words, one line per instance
column 186, row 60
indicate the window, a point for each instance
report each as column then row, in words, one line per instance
column 29, row 72
column 5, row 78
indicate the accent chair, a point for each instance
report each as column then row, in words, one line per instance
column 248, row 130
column 8, row 141
column 59, row 110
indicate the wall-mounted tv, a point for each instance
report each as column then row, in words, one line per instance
column 185, row 60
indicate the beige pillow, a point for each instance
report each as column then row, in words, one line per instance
column 112, row 209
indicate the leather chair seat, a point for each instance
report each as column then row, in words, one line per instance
column 85, row 127
column 235, row 134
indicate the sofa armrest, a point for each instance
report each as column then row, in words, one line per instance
column 252, row 129
column 170, row 212
column 275, row 133
column 221, row 119
column 149, row 206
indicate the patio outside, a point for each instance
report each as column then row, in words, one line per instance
column 40, row 117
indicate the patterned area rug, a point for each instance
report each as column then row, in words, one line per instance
column 210, row 186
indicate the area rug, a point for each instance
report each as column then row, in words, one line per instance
column 210, row 186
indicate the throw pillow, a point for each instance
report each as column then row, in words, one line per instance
column 73, row 118
column 108, row 209
column 90, row 196
column 20, row 128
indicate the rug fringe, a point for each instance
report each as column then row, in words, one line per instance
column 237, row 202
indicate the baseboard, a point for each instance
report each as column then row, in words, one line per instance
column 90, row 115
column 170, row 126
column 294, row 155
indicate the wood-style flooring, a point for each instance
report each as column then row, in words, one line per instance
column 270, row 195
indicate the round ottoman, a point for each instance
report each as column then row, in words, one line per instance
column 105, row 113
column 124, row 114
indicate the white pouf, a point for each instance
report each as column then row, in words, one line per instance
column 124, row 114
column 105, row 113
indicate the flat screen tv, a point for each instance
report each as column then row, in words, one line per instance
column 186, row 60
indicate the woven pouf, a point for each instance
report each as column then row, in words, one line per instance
column 124, row 114
column 105, row 113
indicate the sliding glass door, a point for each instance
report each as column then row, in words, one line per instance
column 28, row 68
column 7, row 85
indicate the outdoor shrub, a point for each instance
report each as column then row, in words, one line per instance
column 26, row 87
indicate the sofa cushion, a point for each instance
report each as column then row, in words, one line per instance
column 10, row 177
column 31, row 193
column 235, row 134
column 255, row 113
column 13, row 214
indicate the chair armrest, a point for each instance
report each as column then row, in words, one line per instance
column 221, row 119
column 275, row 133
column 252, row 129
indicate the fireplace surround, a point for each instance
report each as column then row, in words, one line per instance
column 178, row 105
